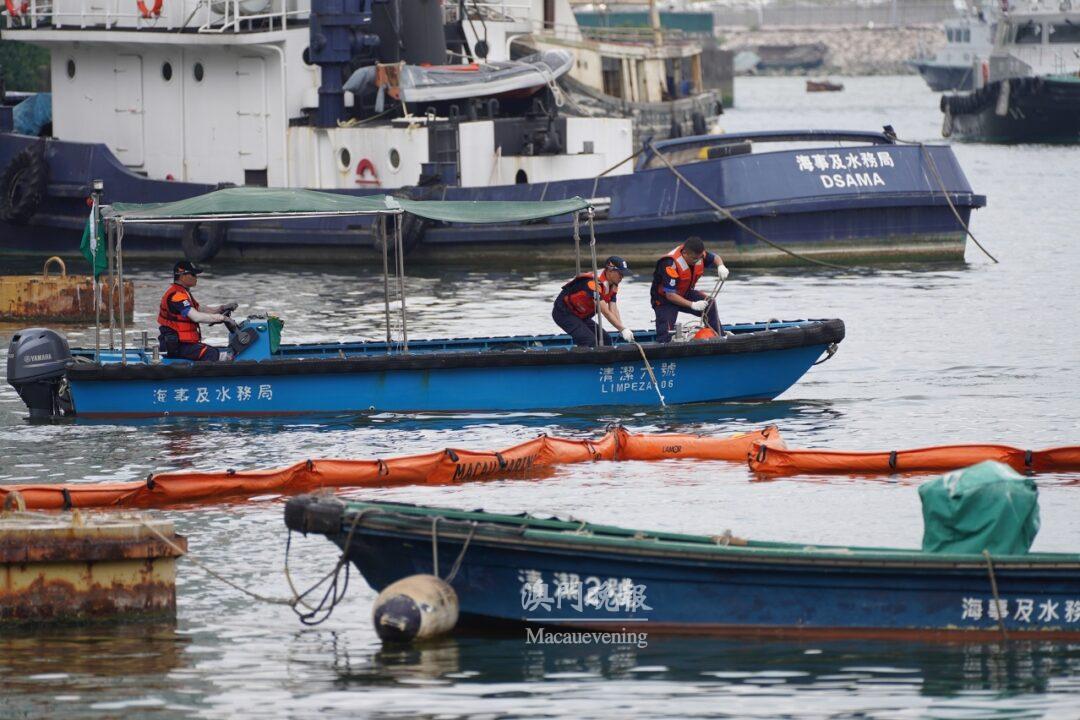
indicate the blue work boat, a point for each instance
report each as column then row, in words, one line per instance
column 523, row 570
column 757, row 362
column 262, row 377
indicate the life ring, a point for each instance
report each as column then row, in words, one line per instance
column 363, row 168
column 23, row 184
column 147, row 13
column 202, row 244
column 17, row 10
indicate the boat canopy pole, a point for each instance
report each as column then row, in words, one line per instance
column 109, row 243
column 577, row 242
column 401, row 280
column 386, row 275
column 120, row 289
column 96, row 195
column 596, row 281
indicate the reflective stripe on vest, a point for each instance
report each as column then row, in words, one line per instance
column 581, row 302
column 188, row 330
column 687, row 276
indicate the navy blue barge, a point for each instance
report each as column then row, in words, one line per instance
column 523, row 570
column 838, row 195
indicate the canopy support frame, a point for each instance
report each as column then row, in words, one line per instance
column 114, row 230
column 596, row 281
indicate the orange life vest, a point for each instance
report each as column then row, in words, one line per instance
column 581, row 301
column 188, row 330
column 686, row 275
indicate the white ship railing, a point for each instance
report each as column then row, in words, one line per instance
column 217, row 16
column 221, row 16
column 84, row 14
column 496, row 10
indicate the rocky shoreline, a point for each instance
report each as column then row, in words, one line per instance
column 851, row 50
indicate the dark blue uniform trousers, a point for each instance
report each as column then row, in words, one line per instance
column 667, row 314
column 582, row 331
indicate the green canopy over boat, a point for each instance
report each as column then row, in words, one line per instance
column 254, row 203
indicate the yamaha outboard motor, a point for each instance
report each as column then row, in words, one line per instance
column 38, row 359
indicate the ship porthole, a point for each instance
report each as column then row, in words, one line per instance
column 166, row 71
column 71, row 69
column 344, row 159
column 198, row 72
column 395, row 158
column 521, row 178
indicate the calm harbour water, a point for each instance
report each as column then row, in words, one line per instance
column 934, row 354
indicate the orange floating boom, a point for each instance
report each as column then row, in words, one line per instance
column 767, row 459
column 443, row 467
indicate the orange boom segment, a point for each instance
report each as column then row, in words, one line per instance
column 443, row 467
column 771, row 460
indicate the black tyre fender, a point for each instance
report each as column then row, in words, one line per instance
column 202, row 241
column 23, row 184
column 697, row 121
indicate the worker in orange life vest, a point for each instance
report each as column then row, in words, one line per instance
column 179, row 316
column 575, row 307
column 672, row 290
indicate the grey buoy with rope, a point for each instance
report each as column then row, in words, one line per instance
column 415, row 608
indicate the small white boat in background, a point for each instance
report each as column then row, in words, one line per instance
column 438, row 83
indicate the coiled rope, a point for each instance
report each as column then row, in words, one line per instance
column 314, row 615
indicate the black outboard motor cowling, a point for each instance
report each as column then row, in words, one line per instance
column 38, row 359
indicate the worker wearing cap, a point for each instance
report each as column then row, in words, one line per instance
column 179, row 317
column 673, row 292
column 575, row 307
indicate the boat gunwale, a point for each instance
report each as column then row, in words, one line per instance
column 808, row 334
column 409, row 521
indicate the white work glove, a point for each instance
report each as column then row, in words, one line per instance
column 699, row 305
column 218, row 317
column 627, row 334
column 722, row 272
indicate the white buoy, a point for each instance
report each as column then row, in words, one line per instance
column 415, row 608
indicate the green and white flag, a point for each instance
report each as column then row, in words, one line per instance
column 94, row 251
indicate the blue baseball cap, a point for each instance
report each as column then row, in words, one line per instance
column 184, row 266
column 618, row 264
